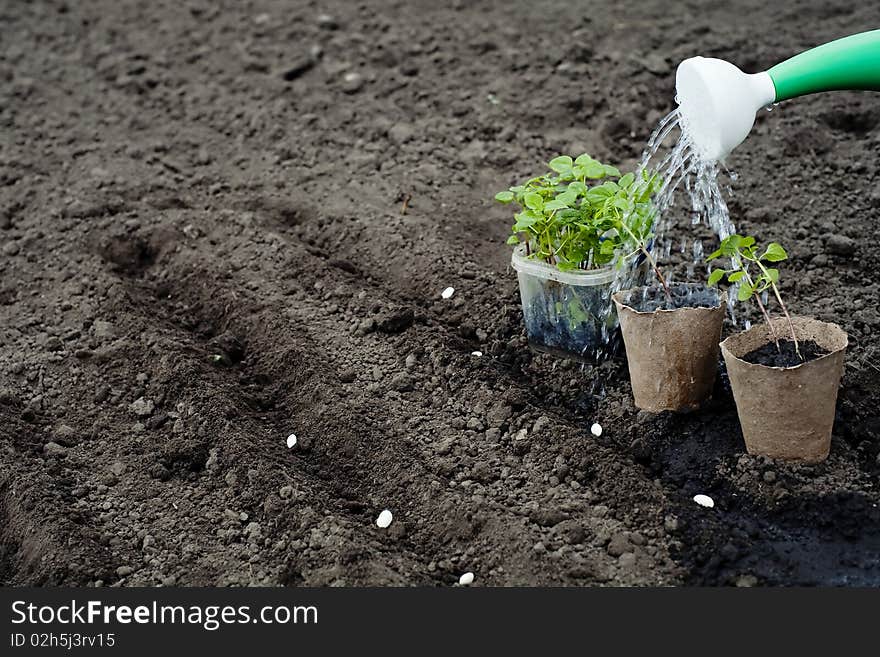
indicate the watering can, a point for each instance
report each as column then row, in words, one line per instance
column 718, row 101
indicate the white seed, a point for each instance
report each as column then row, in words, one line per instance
column 596, row 429
column 291, row 441
column 447, row 293
column 467, row 578
column 704, row 500
column 384, row 519
column 476, row 353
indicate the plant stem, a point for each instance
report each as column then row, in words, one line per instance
column 656, row 269
column 762, row 309
column 797, row 349
column 650, row 258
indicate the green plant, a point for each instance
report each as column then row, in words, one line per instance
column 569, row 219
column 743, row 253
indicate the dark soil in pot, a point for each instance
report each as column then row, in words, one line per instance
column 785, row 355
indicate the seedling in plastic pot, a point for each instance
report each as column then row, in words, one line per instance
column 572, row 221
column 743, row 253
column 575, row 225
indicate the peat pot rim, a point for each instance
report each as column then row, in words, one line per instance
column 579, row 277
column 739, row 344
column 619, row 296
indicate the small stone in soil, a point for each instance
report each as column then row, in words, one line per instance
column 746, row 581
column 297, row 67
column 841, row 245
column 785, row 356
column 352, row 82
column 142, row 407
column 447, row 293
column 466, row 579
column 291, row 441
column 327, row 22
column 704, row 500
column 596, row 429
column 384, row 519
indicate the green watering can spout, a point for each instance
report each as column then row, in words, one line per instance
column 718, row 101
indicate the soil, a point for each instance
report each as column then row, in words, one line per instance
column 785, row 355
column 681, row 295
column 222, row 223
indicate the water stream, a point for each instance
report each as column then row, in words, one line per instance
column 686, row 176
column 683, row 170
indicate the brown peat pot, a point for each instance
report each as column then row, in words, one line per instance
column 787, row 412
column 672, row 354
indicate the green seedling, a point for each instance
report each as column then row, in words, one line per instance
column 577, row 216
column 743, row 252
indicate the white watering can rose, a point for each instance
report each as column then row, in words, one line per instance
column 718, row 101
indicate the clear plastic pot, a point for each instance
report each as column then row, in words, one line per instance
column 569, row 314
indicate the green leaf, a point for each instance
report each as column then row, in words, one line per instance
column 774, row 253
column 736, row 276
column 773, row 275
column 610, row 170
column 583, row 159
column 731, row 241
column 561, row 164
column 594, row 170
column 513, row 239
column 524, row 221
column 555, row 204
column 534, row 201
column 504, row 197
column 598, row 194
column 715, row 277
column 568, row 197
column 714, row 254
column 745, row 292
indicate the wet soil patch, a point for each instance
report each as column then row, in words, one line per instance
column 681, row 295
